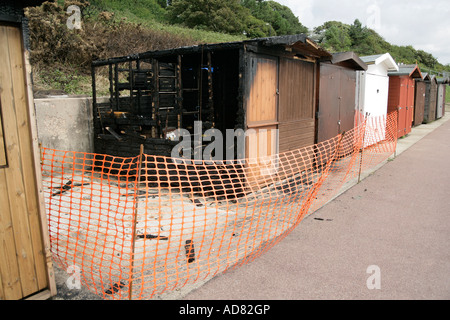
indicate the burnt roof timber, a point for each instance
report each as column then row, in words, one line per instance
column 166, row 53
column 281, row 51
column 169, row 52
column 299, row 43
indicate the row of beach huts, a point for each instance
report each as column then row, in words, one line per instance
column 287, row 83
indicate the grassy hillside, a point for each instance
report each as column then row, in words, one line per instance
column 150, row 14
column 61, row 57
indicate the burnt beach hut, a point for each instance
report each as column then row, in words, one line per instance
column 260, row 84
column 429, row 114
column 337, row 93
column 266, row 87
column 401, row 96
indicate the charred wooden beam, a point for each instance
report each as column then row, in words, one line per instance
column 200, row 85
column 130, row 83
column 210, row 90
column 151, row 237
column 170, row 52
column 111, row 85
column 179, row 92
column 139, row 93
column 155, row 104
column 116, row 84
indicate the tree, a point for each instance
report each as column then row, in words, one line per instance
column 357, row 33
column 216, row 15
column 371, row 43
column 333, row 36
column 280, row 17
column 426, row 58
column 255, row 28
column 337, row 39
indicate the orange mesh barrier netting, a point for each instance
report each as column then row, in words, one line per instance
column 377, row 135
column 152, row 226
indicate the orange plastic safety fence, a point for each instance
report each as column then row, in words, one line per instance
column 152, row 226
column 365, row 147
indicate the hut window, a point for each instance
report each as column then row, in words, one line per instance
column 3, row 158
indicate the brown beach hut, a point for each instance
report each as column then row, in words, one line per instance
column 429, row 113
column 337, row 93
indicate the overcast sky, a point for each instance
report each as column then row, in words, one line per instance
column 424, row 24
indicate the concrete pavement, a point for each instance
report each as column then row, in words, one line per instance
column 392, row 229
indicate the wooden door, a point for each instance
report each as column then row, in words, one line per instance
column 296, row 115
column 440, row 104
column 263, row 99
column 296, row 110
column 336, row 101
column 419, row 102
column 262, row 117
column 394, row 102
column 410, row 87
column 444, row 99
column 394, row 93
column 403, row 107
column 432, row 101
column 25, row 260
column 347, row 100
column 401, row 125
column 329, row 115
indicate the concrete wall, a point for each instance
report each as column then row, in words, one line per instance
column 65, row 123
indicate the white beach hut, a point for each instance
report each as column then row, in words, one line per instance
column 373, row 89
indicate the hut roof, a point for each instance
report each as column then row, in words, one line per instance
column 426, row 76
column 384, row 58
column 444, row 80
column 411, row 70
column 432, row 78
column 349, row 59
